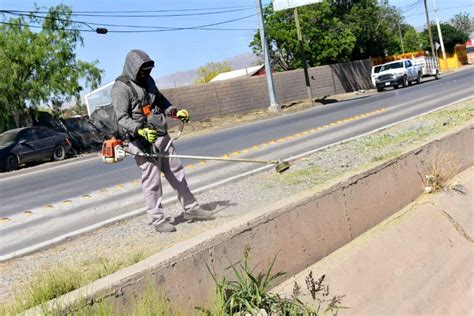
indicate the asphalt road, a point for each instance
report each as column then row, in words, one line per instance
column 284, row 136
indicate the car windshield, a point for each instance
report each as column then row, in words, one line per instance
column 392, row 66
column 7, row 137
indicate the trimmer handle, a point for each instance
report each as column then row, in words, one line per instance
column 180, row 131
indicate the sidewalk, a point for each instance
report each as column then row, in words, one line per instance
column 420, row 261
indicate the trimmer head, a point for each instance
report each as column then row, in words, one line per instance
column 282, row 166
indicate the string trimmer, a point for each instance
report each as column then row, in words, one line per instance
column 113, row 150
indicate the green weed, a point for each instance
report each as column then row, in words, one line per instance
column 249, row 294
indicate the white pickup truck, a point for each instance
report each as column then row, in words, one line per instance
column 401, row 72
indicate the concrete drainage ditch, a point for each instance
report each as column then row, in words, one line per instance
column 301, row 230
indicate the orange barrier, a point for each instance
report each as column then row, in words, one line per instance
column 454, row 61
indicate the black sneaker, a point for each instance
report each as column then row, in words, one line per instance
column 165, row 227
column 197, row 214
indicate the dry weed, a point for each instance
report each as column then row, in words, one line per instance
column 442, row 167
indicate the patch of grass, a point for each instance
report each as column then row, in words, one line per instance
column 102, row 267
column 82, row 309
column 386, row 156
column 46, row 286
column 151, row 303
column 454, row 116
column 382, row 141
column 382, row 146
column 49, row 284
column 292, row 177
column 431, row 124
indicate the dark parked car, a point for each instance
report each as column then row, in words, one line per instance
column 31, row 144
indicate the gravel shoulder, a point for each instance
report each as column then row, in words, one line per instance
column 133, row 238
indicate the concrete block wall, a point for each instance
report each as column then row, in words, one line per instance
column 243, row 95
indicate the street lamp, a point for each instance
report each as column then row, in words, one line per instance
column 101, row 30
column 98, row 30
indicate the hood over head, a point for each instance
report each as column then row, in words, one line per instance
column 135, row 59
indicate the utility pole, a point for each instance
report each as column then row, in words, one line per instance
column 428, row 25
column 303, row 56
column 401, row 37
column 274, row 106
column 440, row 35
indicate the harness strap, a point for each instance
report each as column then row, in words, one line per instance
column 125, row 79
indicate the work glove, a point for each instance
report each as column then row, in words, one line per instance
column 148, row 133
column 183, row 115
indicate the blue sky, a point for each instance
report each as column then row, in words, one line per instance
column 188, row 49
column 414, row 10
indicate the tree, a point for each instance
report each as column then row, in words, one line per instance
column 40, row 67
column 375, row 27
column 463, row 22
column 210, row 70
column 326, row 39
column 411, row 39
column 451, row 37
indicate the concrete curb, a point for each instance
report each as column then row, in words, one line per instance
column 300, row 230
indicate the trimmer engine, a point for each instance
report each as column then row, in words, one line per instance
column 112, row 150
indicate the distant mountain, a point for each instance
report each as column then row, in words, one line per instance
column 244, row 60
column 186, row 78
column 178, row 79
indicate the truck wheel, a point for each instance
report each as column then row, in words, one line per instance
column 379, row 89
column 436, row 75
column 418, row 80
column 405, row 81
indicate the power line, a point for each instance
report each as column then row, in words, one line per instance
column 143, row 28
column 152, row 29
column 144, row 11
column 441, row 9
column 34, row 13
column 409, row 7
column 198, row 27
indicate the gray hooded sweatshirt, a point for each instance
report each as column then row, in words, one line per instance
column 127, row 106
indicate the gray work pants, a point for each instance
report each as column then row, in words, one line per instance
column 151, row 169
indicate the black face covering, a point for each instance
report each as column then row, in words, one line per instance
column 144, row 72
column 142, row 76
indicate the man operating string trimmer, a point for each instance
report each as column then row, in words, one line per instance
column 141, row 113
